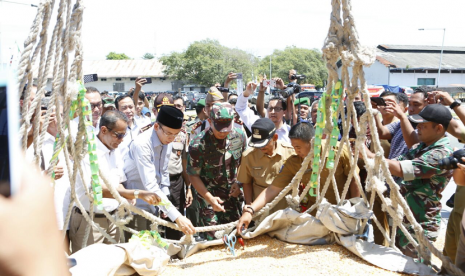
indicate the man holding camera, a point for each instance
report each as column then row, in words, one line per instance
column 419, row 176
column 276, row 110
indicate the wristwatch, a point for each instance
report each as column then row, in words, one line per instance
column 454, row 104
column 136, row 194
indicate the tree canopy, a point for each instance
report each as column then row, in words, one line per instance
column 207, row 62
column 148, row 56
column 306, row 61
column 117, row 56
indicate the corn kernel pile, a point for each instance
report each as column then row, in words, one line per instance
column 266, row 256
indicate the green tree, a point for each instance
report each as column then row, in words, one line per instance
column 117, row 56
column 307, row 62
column 207, row 62
column 148, row 56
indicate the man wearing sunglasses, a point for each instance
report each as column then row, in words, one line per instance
column 275, row 112
column 113, row 125
column 146, row 168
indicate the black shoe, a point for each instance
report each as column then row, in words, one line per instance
column 450, row 201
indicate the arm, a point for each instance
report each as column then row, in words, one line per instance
column 266, row 196
column 185, row 177
column 146, row 169
column 248, row 117
column 231, row 76
column 215, row 202
column 383, row 131
column 261, row 100
column 139, row 83
column 353, row 189
column 394, row 166
column 410, row 136
column 248, row 191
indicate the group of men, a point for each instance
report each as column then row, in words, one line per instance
column 231, row 160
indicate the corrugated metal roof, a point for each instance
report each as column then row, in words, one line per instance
column 386, row 47
column 124, row 68
column 121, row 68
column 422, row 60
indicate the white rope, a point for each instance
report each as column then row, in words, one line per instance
column 342, row 43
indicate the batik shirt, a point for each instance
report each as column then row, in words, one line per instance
column 424, row 182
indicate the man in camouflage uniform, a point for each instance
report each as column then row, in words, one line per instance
column 213, row 160
column 213, row 96
column 420, row 179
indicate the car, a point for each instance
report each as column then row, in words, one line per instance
column 255, row 96
column 312, row 95
column 193, row 97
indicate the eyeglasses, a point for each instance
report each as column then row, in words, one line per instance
column 126, row 107
column 94, row 105
column 118, row 135
column 168, row 134
column 275, row 108
column 178, row 106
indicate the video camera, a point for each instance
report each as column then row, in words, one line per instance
column 297, row 77
column 292, row 88
column 450, row 163
column 223, row 89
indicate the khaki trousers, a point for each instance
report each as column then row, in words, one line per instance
column 452, row 235
column 77, row 228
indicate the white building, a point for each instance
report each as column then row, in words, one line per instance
column 401, row 65
column 120, row 75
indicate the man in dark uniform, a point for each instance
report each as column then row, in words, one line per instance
column 213, row 160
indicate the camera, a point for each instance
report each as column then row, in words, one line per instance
column 292, row 88
column 223, row 89
column 297, row 77
column 450, row 163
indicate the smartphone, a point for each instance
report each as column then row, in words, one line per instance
column 149, row 80
column 9, row 134
column 379, row 101
column 239, row 76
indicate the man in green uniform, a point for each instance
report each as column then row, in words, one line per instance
column 417, row 172
column 213, row 160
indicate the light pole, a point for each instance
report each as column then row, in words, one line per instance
column 442, row 48
column 270, row 67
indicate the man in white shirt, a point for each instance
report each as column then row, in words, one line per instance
column 276, row 109
column 96, row 105
column 126, row 105
column 146, row 167
column 113, row 125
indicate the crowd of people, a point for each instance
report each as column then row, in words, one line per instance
column 232, row 159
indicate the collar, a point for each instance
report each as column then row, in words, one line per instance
column 444, row 141
column 155, row 140
column 279, row 150
column 102, row 149
column 285, row 127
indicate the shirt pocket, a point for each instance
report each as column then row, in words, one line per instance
column 258, row 171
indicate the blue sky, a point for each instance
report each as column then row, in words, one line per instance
column 139, row 26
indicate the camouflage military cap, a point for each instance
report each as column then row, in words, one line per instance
column 214, row 95
column 222, row 115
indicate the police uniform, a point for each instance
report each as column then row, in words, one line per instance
column 259, row 169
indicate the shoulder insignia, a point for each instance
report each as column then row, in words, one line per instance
column 196, row 125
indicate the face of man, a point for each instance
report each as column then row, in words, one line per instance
column 126, row 106
column 180, row 105
column 165, row 134
column 382, row 109
column 270, row 147
column 275, row 111
column 105, row 109
column 218, row 135
column 358, row 98
column 301, row 148
column 304, row 109
column 428, row 132
column 139, row 106
column 96, row 105
column 233, row 97
column 32, row 95
column 416, row 103
column 314, row 113
column 208, row 106
column 109, row 137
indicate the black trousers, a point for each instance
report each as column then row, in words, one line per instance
column 178, row 198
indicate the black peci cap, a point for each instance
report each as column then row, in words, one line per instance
column 170, row 116
column 436, row 113
column 262, row 131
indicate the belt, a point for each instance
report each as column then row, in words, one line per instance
column 96, row 215
column 175, row 176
